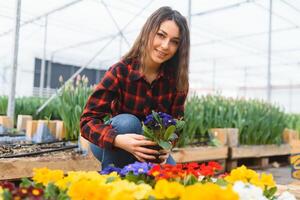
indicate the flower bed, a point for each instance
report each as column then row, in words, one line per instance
column 146, row 181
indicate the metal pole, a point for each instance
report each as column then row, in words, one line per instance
column 49, row 75
column 11, row 97
column 189, row 13
column 214, row 75
column 42, row 75
column 269, row 86
column 245, row 81
column 291, row 96
column 120, row 46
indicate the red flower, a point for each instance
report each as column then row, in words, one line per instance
column 215, row 165
column 36, row 192
column 8, row 185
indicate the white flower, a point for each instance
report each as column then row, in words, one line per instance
column 286, row 196
column 247, row 191
column 200, row 178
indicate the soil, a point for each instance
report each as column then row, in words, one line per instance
column 30, row 149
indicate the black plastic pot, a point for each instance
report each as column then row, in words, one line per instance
column 157, row 159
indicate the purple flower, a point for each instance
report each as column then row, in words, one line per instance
column 168, row 122
column 136, row 168
column 164, row 115
column 110, row 169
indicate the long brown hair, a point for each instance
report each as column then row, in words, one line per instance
column 180, row 60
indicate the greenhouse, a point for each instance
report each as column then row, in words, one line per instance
column 150, row 99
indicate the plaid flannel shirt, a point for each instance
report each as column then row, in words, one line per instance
column 123, row 89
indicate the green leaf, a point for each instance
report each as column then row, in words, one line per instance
column 51, row 191
column 110, row 179
column 270, row 192
column 221, row 182
column 170, row 130
column 189, row 180
column 148, row 133
column 25, row 182
column 164, row 144
column 156, row 117
column 7, row 195
column 63, row 196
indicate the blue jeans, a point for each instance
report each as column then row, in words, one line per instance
column 122, row 123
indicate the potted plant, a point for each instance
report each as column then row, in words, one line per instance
column 162, row 129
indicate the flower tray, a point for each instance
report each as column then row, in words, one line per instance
column 199, row 154
column 16, row 168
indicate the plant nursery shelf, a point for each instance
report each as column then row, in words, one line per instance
column 258, row 151
column 260, row 154
column 16, row 168
column 295, row 146
column 198, row 154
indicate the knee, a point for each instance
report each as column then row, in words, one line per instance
column 126, row 123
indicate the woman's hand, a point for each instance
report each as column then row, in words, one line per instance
column 135, row 144
column 164, row 155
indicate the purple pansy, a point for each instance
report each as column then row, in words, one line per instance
column 136, row 168
column 110, row 169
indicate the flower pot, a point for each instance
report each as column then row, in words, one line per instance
column 157, row 159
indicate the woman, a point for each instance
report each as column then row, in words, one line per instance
column 153, row 75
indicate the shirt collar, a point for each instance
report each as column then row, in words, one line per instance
column 134, row 73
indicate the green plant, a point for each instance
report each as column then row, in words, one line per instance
column 162, row 129
column 263, row 123
column 28, row 106
column 3, row 104
column 71, row 101
column 293, row 121
column 258, row 122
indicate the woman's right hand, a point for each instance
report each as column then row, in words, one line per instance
column 135, row 144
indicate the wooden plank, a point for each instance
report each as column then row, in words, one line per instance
column 257, row 151
column 6, row 122
column 22, row 122
column 15, row 168
column 295, row 146
column 191, row 154
column 262, row 162
column 231, row 164
column 289, row 135
column 293, row 188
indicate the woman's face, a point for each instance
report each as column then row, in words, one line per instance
column 165, row 43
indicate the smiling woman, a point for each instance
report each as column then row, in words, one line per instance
column 152, row 76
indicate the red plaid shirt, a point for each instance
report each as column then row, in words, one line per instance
column 124, row 89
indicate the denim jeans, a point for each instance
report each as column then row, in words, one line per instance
column 122, row 123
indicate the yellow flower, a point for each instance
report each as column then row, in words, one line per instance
column 167, row 190
column 128, row 190
column 80, row 175
column 267, row 180
column 241, row 174
column 208, row 191
column 45, row 175
column 142, row 191
column 257, row 182
column 85, row 189
column 1, row 193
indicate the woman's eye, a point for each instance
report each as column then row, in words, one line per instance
column 160, row 35
column 175, row 42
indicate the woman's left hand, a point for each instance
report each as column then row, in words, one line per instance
column 164, row 155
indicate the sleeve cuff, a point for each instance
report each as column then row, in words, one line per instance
column 108, row 144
